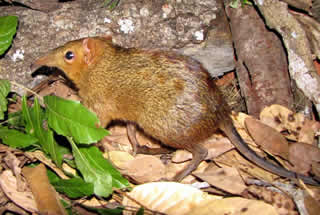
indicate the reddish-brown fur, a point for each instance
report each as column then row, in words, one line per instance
column 170, row 96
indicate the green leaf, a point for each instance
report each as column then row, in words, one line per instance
column 97, row 170
column 8, row 28
column 35, row 119
column 70, row 118
column 16, row 139
column 16, row 119
column 140, row 211
column 74, row 187
column 234, row 4
column 111, row 4
column 4, row 91
column 105, row 211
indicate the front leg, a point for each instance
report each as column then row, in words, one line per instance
column 137, row 149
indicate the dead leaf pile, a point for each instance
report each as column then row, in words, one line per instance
column 286, row 136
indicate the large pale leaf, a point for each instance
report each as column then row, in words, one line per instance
column 166, row 197
column 4, row 91
column 97, row 170
column 8, row 25
column 70, row 118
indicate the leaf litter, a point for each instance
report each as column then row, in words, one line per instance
column 290, row 140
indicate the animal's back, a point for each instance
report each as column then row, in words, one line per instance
column 164, row 93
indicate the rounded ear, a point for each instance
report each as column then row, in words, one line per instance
column 89, row 48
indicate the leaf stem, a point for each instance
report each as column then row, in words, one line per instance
column 28, row 90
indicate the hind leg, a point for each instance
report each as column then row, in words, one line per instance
column 199, row 154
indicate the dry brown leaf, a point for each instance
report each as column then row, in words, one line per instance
column 302, row 155
column 225, row 178
column 247, row 168
column 39, row 155
column 312, row 205
column 281, row 202
column 8, row 184
column 13, row 163
column 267, row 137
column 315, row 168
column 13, row 208
column 238, row 121
column 92, row 202
column 173, row 168
column 68, row 169
column 119, row 158
column 46, row 197
column 145, row 168
column 180, row 156
column 233, row 206
column 282, row 119
column 308, row 131
column 216, row 145
column 167, row 197
column 118, row 140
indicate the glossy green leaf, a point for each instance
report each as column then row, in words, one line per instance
column 16, row 139
column 35, row 125
column 71, row 118
column 4, row 91
column 16, row 119
column 8, row 28
column 97, row 170
column 74, row 187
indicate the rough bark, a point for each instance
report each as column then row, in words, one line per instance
column 301, row 67
column 261, row 61
column 143, row 24
column 300, row 4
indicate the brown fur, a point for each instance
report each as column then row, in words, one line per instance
column 170, row 96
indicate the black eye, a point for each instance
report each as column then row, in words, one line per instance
column 69, row 55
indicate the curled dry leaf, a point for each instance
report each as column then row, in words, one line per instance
column 267, row 137
column 234, row 206
column 284, row 120
column 39, row 155
column 226, row 178
column 24, row 199
column 167, row 197
column 13, row 163
column 46, row 197
column 302, row 156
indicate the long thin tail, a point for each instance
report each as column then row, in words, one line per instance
column 229, row 129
